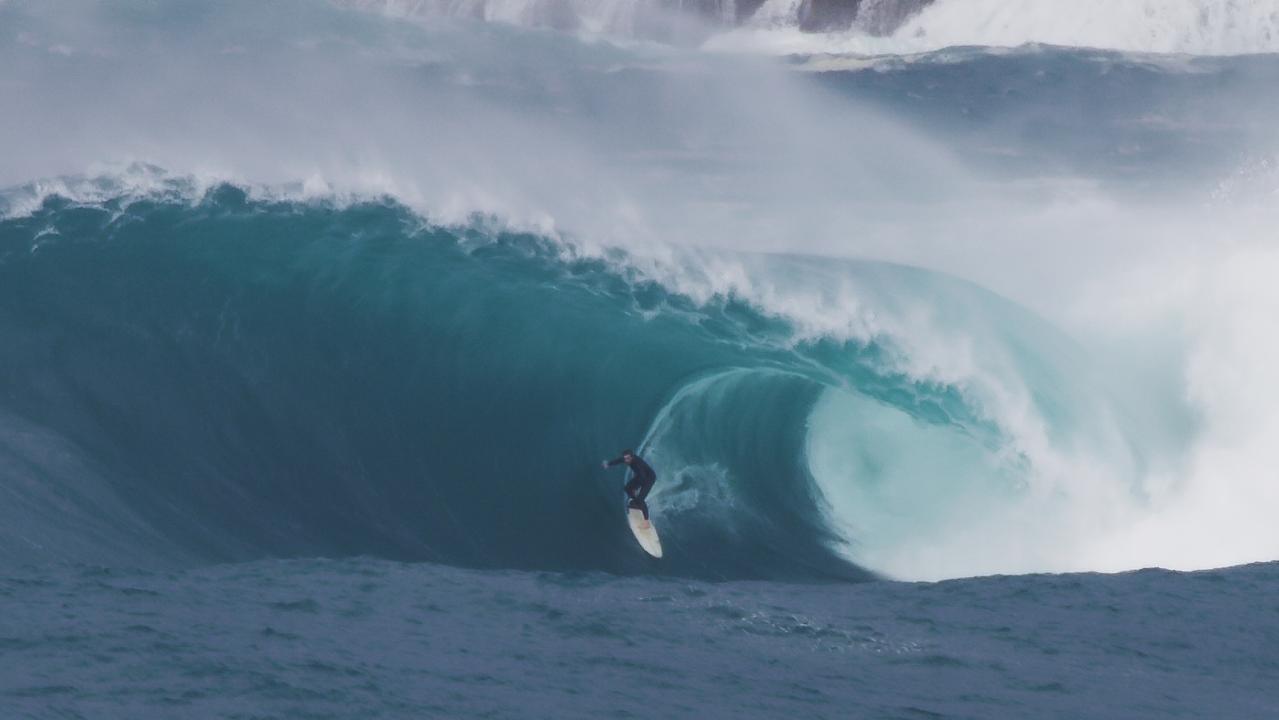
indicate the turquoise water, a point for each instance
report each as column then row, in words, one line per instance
column 249, row 378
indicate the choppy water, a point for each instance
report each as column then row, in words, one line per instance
column 371, row 638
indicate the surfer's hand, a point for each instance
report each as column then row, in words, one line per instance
column 604, row 464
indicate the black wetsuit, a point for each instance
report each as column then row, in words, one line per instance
column 642, row 479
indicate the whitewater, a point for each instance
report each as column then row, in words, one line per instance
column 947, row 327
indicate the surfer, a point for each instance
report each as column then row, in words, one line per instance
column 642, row 479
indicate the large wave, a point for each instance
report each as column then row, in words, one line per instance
column 225, row 377
column 407, row 282
column 240, row 378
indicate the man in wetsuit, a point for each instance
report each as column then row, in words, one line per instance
column 642, row 479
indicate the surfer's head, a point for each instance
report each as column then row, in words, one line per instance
column 627, row 456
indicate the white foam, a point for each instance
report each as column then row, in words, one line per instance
column 121, row 181
column 1199, row 27
column 1206, row 27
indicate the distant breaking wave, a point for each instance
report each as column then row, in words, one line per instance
column 1199, row 27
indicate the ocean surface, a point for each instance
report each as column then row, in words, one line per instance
column 362, row 637
column 947, row 326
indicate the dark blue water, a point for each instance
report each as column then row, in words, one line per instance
column 1148, row 120
column 372, row 638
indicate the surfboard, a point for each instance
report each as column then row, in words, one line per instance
column 644, row 532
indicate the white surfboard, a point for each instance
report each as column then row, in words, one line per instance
column 644, row 532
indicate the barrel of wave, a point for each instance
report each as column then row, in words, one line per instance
column 916, row 499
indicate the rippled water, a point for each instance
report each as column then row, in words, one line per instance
column 371, row 638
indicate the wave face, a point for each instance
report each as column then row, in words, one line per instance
column 231, row 378
column 243, row 378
